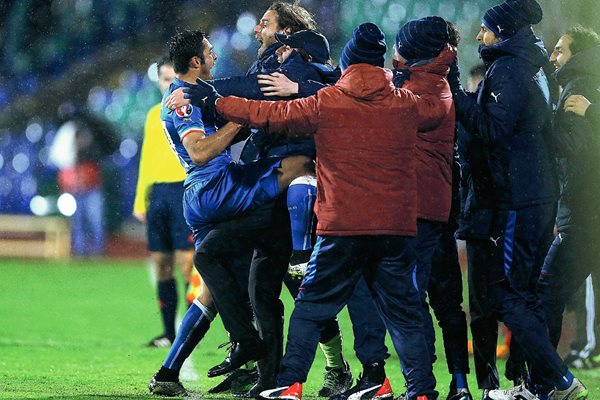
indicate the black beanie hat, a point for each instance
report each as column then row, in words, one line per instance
column 315, row 44
column 422, row 38
column 507, row 18
column 367, row 46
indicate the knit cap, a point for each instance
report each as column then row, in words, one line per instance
column 367, row 46
column 315, row 44
column 507, row 18
column 422, row 38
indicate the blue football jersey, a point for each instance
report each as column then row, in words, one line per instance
column 180, row 122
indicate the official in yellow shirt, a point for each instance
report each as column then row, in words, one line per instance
column 158, row 202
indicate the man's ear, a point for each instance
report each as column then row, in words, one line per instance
column 194, row 62
column 287, row 31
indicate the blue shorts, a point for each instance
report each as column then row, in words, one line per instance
column 230, row 192
column 166, row 227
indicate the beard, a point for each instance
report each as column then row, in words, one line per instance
column 206, row 72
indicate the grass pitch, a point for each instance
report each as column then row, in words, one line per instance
column 77, row 330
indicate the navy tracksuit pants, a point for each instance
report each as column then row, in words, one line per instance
column 367, row 326
column 336, row 265
column 445, row 291
column 572, row 257
column 484, row 323
column 517, row 247
column 440, row 277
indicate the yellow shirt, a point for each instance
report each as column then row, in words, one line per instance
column 158, row 163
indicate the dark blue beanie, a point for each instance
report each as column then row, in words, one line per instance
column 422, row 38
column 507, row 18
column 367, row 46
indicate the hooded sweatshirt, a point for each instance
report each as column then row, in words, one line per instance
column 365, row 132
column 435, row 148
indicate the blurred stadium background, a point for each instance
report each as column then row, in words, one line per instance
column 95, row 57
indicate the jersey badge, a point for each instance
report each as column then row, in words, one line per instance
column 184, row 111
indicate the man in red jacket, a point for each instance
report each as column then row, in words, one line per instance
column 422, row 58
column 365, row 133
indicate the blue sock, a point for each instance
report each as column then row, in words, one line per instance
column 195, row 324
column 460, row 379
column 301, row 196
column 167, row 301
column 566, row 381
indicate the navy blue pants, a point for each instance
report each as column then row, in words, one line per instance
column 367, row 326
column 439, row 276
column 484, row 323
column 445, row 291
column 572, row 257
column 519, row 242
column 331, row 327
column 336, row 265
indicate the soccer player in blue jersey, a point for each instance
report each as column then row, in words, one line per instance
column 217, row 192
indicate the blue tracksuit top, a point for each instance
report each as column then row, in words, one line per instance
column 310, row 76
column 511, row 120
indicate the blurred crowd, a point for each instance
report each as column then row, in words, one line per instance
column 78, row 53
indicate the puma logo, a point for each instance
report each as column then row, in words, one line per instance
column 495, row 240
column 499, row 29
column 495, row 96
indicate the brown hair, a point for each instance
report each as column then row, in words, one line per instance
column 293, row 16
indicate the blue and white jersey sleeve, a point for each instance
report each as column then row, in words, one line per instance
column 183, row 121
column 187, row 119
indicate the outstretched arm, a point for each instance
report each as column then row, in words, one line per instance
column 277, row 84
column 292, row 117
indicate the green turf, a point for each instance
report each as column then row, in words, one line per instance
column 77, row 330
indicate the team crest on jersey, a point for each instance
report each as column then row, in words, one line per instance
column 184, row 111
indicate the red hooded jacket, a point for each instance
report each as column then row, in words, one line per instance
column 365, row 133
column 435, row 148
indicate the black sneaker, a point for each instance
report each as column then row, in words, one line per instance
column 366, row 390
column 167, row 389
column 252, row 393
column 240, row 380
column 336, row 381
column 462, row 395
column 161, row 341
column 239, row 354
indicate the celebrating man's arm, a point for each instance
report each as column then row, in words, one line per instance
column 203, row 148
column 294, row 117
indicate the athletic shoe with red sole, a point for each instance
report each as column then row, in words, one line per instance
column 293, row 392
